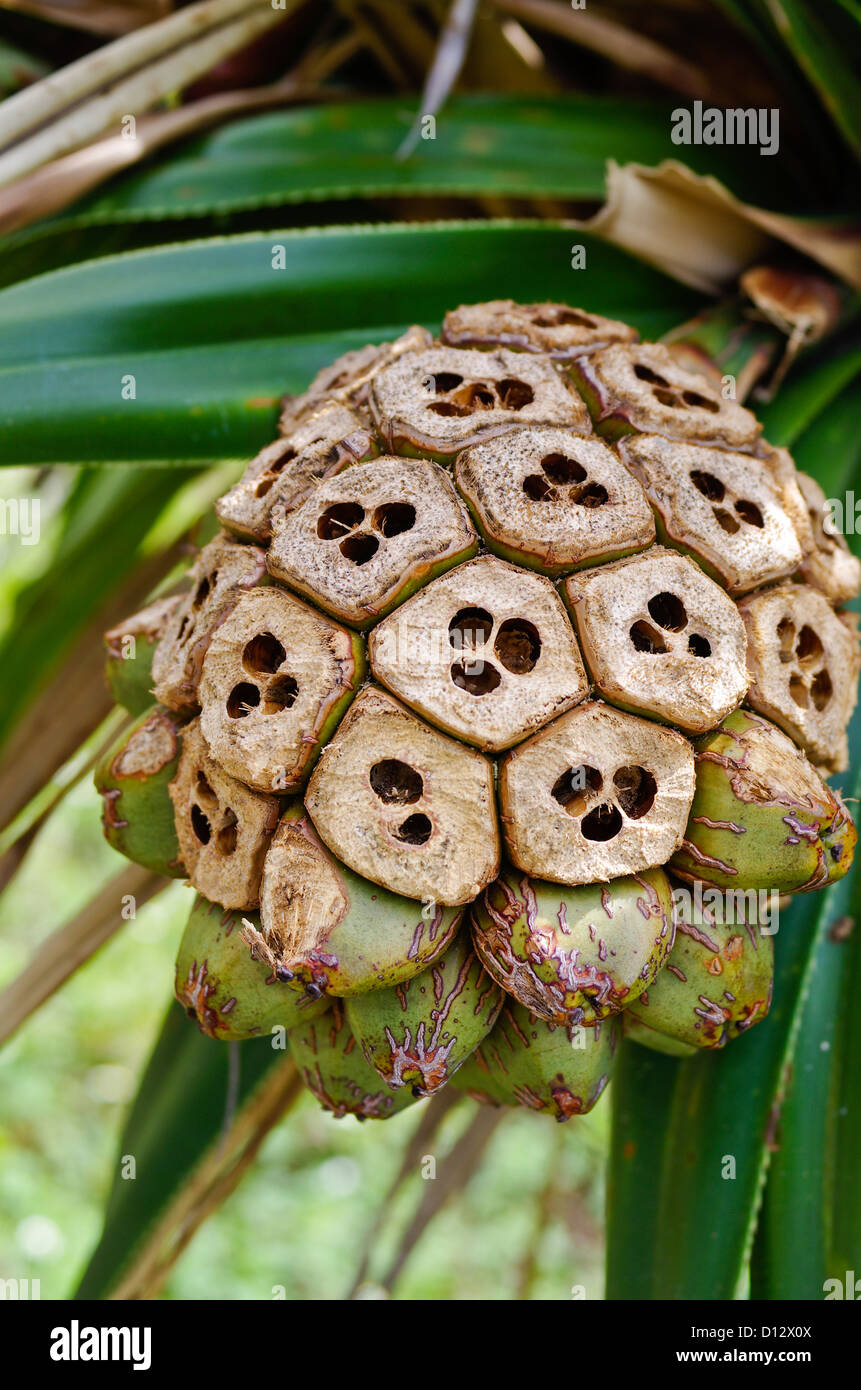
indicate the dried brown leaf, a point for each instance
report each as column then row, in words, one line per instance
column 130, row 75
column 693, row 228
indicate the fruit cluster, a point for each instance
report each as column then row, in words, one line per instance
column 492, row 717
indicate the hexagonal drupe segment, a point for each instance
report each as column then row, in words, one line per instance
column 223, row 829
column 440, row 401
column 365, row 540
column 596, row 795
column 723, row 508
column 405, row 806
column 642, row 389
column 222, row 571
column 349, row 377
column 486, row 652
column 553, row 500
column 557, row 329
column 829, row 564
column 283, row 473
column 276, row 680
column 661, row 638
column 804, row 661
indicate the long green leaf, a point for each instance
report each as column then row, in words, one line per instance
column 211, row 334
column 824, row 40
column 844, row 1246
column 802, row 1226
column 641, row 1096
column 757, row 20
column 176, row 1119
column 483, row 145
column 809, row 392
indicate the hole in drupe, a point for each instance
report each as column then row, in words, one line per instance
column 338, row 519
column 572, row 789
column 517, row 645
column 726, row 520
column 539, row 489
column 646, row 374
column 808, row 647
column 415, row 830
column 699, row 645
column 636, row 789
column 646, row 638
column 242, row 699
column 393, row 518
column 283, row 460
column 204, row 793
column 562, row 469
column 710, row 486
column 550, row 318
column 200, row 825
column 602, row 823
column 474, row 395
column 821, row 689
column 515, row 394
column 360, row 549
column 225, row 840
column 395, row 782
column 749, row 512
column 668, row 612
column 694, row 398
column 470, row 627
column 476, row 677
column 798, row 691
column 280, row 694
column 592, row 495
column 786, row 638
column 268, row 477
column 446, row 381
column 263, row 654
